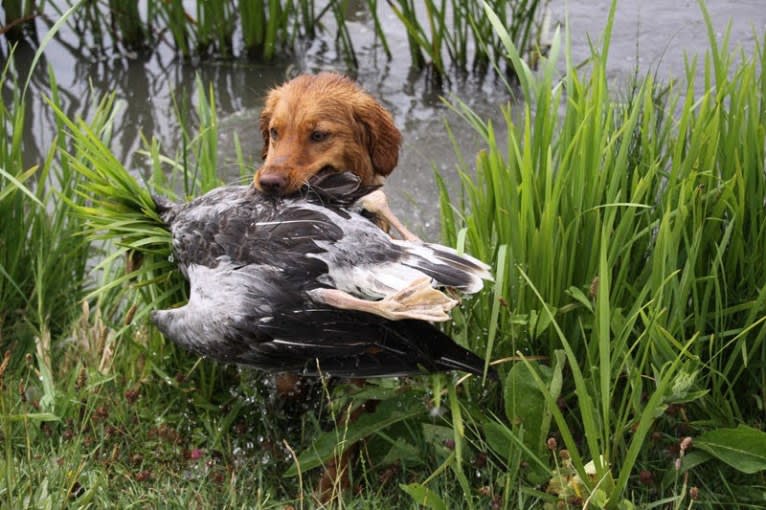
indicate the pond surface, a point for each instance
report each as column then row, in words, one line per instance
column 653, row 34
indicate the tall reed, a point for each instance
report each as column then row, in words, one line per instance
column 442, row 36
column 205, row 28
column 43, row 256
column 127, row 22
column 270, row 28
column 19, row 16
column 457, row 35
column 629, row 238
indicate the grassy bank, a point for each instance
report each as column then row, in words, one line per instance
column 628, row 241
column 627, row 232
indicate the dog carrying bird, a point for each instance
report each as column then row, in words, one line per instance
column 323, row 122
column 309, row 284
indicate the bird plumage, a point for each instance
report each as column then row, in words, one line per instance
column 253, row 261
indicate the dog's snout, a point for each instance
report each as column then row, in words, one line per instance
column 273, row 184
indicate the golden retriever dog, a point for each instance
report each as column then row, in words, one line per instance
column 316, row 122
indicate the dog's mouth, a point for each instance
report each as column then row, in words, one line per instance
column 327, row 176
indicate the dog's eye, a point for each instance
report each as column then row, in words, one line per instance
column 273, row 133
column 318, row 136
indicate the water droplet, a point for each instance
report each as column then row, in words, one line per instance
column 436, row 412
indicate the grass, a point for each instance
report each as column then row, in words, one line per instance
column 43, row 257
column 456, row 37
column 268, row 29
column 627, row 236
column 444, row 37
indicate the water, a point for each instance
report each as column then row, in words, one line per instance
column 653, row 34
column 657, row 35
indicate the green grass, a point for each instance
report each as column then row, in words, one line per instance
column 270, row 29
column 18, row 17
column 43, row 256
column 444, row 38
column 627, row 234
column 629, row 237
column 456, row 37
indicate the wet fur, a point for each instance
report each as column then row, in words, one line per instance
column 324, row 121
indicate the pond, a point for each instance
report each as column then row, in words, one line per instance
column 654, row 35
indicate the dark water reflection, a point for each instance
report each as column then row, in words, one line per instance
column 653, row 34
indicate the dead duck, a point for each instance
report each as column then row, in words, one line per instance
column 309, row 284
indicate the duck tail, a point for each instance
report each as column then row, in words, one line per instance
column 455, row 357
column 440, row 352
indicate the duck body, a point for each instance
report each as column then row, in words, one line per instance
column 254, row 263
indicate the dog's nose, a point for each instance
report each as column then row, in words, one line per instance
column 272, row 184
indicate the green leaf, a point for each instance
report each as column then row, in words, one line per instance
column 523, row 72
column 498, row 438
column 525, row 404
column 402, row 451
column 683, row 388
column 743, row 448
column 335, row 441
column 505, row 441
column 580, row 296
column 424, row 496
column 437, row 435
column 540, row 322
column 33, row 417
column 18, row 183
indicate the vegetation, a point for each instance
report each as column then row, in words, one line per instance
column 456, row 31
column 628, row 239
column 460, row 31
column 43, row 257
column 626, row 321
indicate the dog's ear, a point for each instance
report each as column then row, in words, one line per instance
column 265, row 119
column 383, row 139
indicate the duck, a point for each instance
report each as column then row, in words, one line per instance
column 310, row 284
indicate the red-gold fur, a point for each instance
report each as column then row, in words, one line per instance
column 324, row 121
column 319, row 121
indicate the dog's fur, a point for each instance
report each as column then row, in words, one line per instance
column 322, row 121
column 311, row 123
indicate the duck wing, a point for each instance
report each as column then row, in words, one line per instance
column 246, row 227
column 325, row 245
column 366, row 262
column 252, row 315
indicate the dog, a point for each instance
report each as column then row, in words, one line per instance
column 324, row 121
column 314, row 123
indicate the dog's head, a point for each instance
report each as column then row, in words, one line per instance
column 324, row 121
